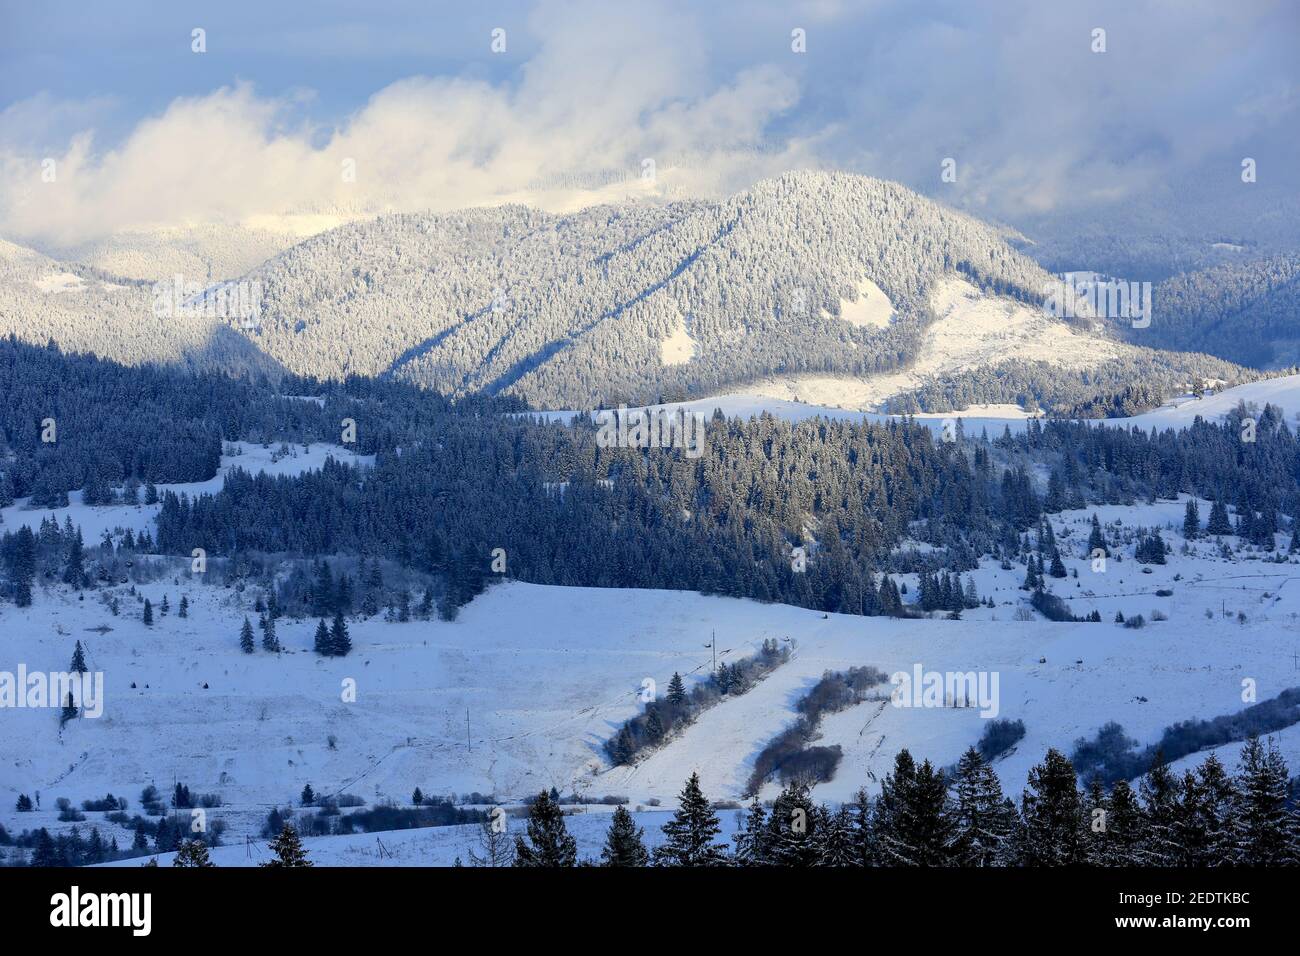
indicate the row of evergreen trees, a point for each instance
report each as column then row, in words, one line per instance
column 1201, row 818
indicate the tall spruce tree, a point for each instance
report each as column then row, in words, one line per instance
column 792, row 827
column 889, row 813
column 1218, row 799
column 549, row 843
column 288, row 850
column 1125, row 827
column 836, row 845
column 1096, row 540
column 1219, row 524
column 751, row 841
column 1159, row 791
column 1192, row 520
column 1052, row 814
column 321, row 644
column 690, row 833
column 624, row 844
column 1263, row 828
column 982, row 832
column 340, row 643
column 270, row 642
column 74, row 571
column 246, row 637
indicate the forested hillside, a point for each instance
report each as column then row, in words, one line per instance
column 454, row 482
column 1245, row 312
column 806, row 274
column 85, row 309
column 573, row 310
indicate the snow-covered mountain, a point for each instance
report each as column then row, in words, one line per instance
column 841, row 288
column 810, row 271
column 86, row 309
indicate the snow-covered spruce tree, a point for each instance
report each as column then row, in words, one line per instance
column 1218, row 799
column 321, row 643
column 1159, row 792
column 288, row 850
column 1052, row 815
column 148, row 613
column 676, row 689
column 864, row 845
column 1219, row 524
column 74, row 571
column 1057, row 569
column 192, row 853
column 1192, row 520
column 889, row 811
column 751, row 841
column 911, row 825
column 982, row 831
column 1191, row 844
column 270, row 642
column 78, row 660
column 340, row 643
column 246, row 637
column 1264, row 830
column 690, row 833
column 624, row 844
column 1096, row 540
column 548, row 842
column 791, row 827
column 1125, row 827
column 835, row 838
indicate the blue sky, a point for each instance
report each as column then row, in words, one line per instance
column 143, row 130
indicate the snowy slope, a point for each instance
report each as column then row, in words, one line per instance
column 546, row 675
column 1283, row 392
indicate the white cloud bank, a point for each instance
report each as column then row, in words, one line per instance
column 577, row 126
column 715, row 97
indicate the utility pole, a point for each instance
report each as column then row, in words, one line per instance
column 468, row 743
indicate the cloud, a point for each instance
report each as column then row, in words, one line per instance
column 713, row 95
column 578, row 125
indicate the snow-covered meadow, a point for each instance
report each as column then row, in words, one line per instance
column 521, row 691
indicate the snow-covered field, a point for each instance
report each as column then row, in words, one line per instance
column 519, row 693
